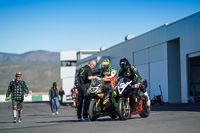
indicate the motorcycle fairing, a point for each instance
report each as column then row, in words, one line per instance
column 138, row 109
column 122, row 85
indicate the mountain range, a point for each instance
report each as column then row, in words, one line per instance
column 32, row 56
column 39, row 69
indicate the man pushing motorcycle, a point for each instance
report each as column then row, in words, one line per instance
column 129, row 71
column 109, row 74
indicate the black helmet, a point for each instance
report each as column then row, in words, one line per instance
column 124, row 63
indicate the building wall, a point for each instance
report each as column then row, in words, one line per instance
column 68, row 78
column 68, row 55
column 152, row 65
column 173, row 66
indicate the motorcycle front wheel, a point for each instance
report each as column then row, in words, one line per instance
column 123, row 109
column 91, row 111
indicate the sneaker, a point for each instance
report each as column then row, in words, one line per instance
column 148, row 104
column 57, row 113
column 147, row 99
column 53, row 113
column 79, row 119
column 19, row 119
column 86, row 119
column 14, row 121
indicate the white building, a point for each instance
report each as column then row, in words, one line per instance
column 168, row 56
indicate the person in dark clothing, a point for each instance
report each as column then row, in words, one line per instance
column 129, row 71
column 17, row 87
column 84, row 80
column 53, row 98
column 61, row 93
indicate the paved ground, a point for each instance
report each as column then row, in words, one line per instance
column 169, row 118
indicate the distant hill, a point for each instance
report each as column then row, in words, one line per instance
column 33, row 56
column 39, row 69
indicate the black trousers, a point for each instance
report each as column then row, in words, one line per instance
column 82, row 97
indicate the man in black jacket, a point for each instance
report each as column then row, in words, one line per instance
column 17, row 87
column 84, row 80
column 53, row 98
column 129, row 71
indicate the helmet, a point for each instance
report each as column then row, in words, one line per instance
column 124, row 63
column 105, row 65
column 18, row 74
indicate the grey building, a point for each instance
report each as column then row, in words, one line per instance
column 168, row 56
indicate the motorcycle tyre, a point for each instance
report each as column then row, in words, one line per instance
column 91, row 111
column 120, row 109
column 145, row 112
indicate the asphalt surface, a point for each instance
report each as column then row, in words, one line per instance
column 37, row 118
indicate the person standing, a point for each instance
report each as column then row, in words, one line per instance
column 109, row 74
column 84, row 80
column 53, row 98
column 17, row 88
column 61, row 93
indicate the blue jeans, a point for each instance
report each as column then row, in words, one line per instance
column 81, row 97
column 54, row 101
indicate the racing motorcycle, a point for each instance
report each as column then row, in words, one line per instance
column 97, row 106
column 131, row 100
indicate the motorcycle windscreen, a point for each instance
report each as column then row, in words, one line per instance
column 123, row 85
column 124, row 80
column 96, row 83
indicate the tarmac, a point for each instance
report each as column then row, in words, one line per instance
column 37, row 118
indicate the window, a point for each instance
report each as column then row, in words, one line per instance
column 68, row 63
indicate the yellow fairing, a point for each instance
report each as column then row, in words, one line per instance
column 100, row 95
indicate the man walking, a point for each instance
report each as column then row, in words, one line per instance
column 84, row 80
column 53, row 98
column 17, row 87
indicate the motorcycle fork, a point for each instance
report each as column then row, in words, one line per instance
column 128, row 99
column 125, row 107
column 97, row 103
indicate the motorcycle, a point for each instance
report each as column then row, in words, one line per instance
column 131, row 100
column 97, row 106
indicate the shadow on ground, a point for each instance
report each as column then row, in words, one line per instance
column 176, row 107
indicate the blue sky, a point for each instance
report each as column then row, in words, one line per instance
column 56, row 25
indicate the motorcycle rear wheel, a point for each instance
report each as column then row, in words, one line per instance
column 91, row 111
column 123, row 109
column 146, row 111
